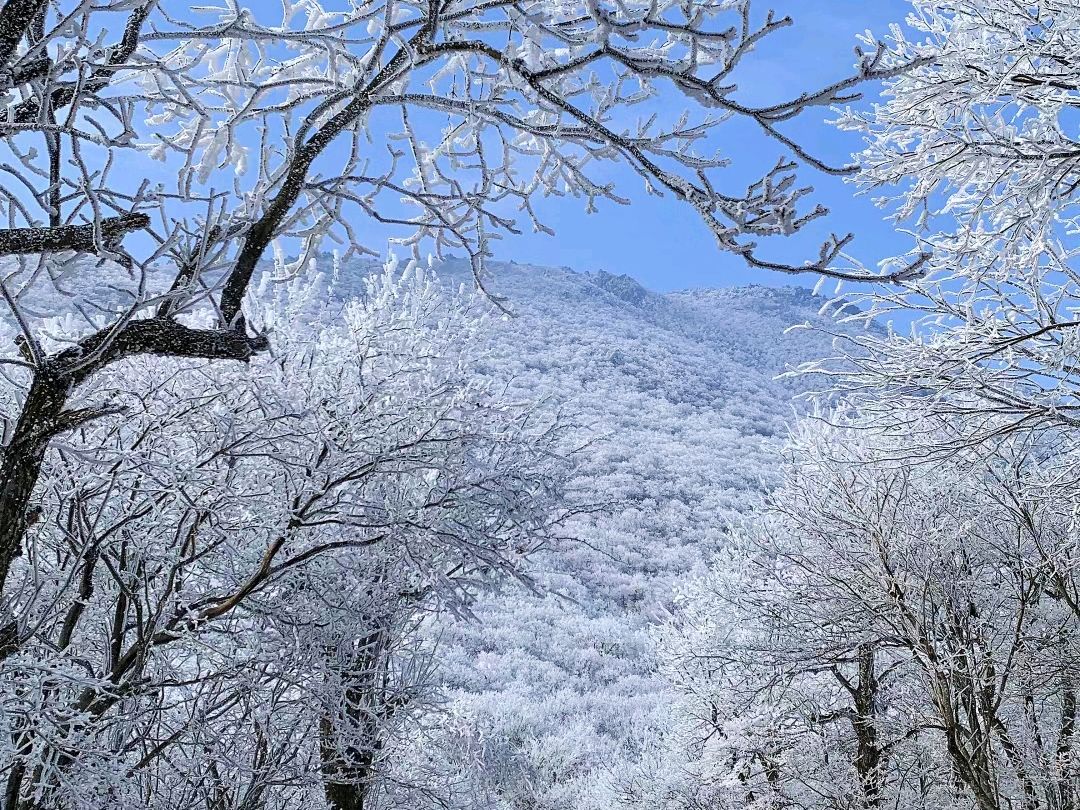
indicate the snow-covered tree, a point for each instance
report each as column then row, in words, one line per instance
column 976, row 153
column 277, row 128
column 895, row 631
column 900, row 628
column 888, row 635
column 223, row 595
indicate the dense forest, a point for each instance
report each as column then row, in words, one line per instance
column 311, row 497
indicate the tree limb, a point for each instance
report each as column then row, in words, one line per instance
column 80, row 238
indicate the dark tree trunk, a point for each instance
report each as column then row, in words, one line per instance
column 348, row 773
column 349, row 753
column 21, row 464
column 869, row 755
column 1066, row 770
column 346, row 795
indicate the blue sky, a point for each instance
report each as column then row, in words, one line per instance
column 663, row 244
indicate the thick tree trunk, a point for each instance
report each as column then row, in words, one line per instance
column 21, row 465
column 349, row 753
column 1066, row 769
column 13, row 785
column 346, row 795
column 868, row 757
column 20, row 469
column 346, row 783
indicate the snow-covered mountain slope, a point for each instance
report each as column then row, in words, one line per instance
column 681, row 392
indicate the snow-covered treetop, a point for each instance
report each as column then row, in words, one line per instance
column 976, row 152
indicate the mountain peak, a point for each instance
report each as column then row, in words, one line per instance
column 621, row 286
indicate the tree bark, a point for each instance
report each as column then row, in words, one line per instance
column 349, row 768
column 1066, row 793
column 80, row 238
column 22, row 460
column 15, row 19
column 868, row 757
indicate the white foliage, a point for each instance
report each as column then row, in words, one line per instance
column 224, row 593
